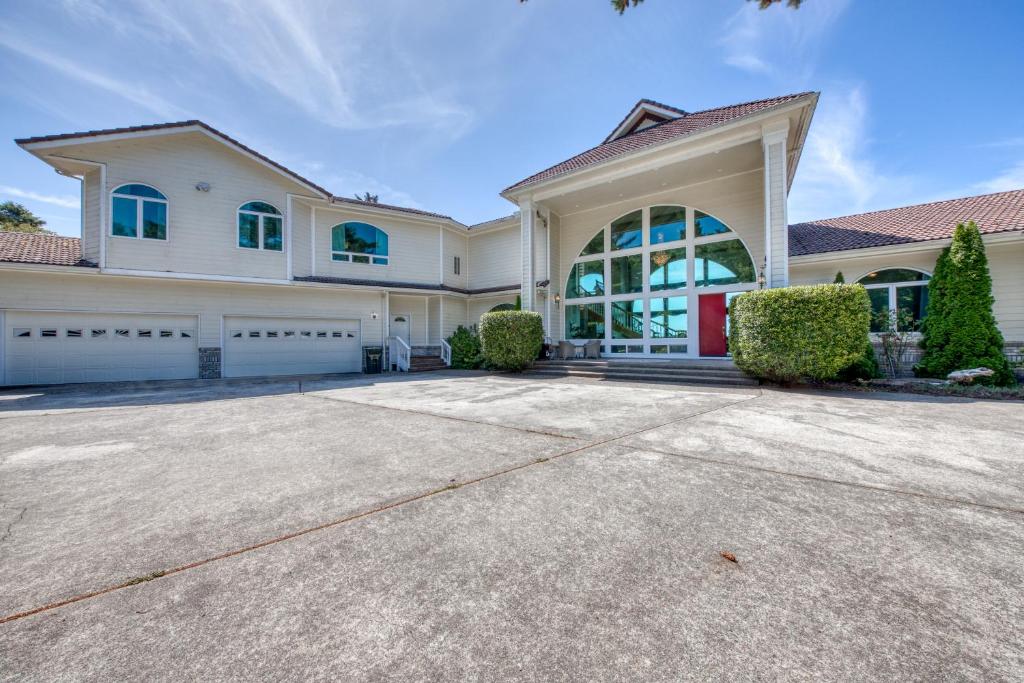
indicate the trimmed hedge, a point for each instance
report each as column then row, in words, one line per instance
column 465, row 345
column 794, row 333
column 511, row 340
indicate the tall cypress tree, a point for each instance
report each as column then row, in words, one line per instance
column 960, row 330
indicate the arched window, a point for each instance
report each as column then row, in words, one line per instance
column 138, row 211
column 503, row 307
column 359, row 243
column 636, row 281
column 895, row 289
column 259, row 226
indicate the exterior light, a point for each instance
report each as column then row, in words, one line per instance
column 558, row 299
column 373, row 316
column 761, row 281
column 203, row 187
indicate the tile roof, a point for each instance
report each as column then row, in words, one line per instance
column 23, row 247
column 663, row 132
column 638, row 105
column 999, row 212
column 227, row 138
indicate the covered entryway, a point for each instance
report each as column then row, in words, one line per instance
column 45, row 347
column 290, row 346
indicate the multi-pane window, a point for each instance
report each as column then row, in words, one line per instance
column 138, row 211
column 260, row 227
column 457, row 266
column 897, row 289
column 359, row 243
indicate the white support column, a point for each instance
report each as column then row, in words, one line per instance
column 776, row 225
column 312, row 240
column 528, row 274
column 547, row 273
column 288, row 236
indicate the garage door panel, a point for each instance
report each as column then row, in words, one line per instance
column 54, row 348
column 290, row 346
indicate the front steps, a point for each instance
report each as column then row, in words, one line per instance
column 426, row 363
column 719, row 372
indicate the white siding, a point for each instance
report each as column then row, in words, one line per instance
column 494, row 258
column 456, row 245
column 454, row 314
column 775, row 154
column 210, row 301
column 302, row 261
column 477, row 306
column 91, row 216
column 413, row 248
column 434, row 321
column 416, row 307
column 202, row 226
column 1006, row 264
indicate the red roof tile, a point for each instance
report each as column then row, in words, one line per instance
column 999, row 212
column 687, row 124
column 22, row 247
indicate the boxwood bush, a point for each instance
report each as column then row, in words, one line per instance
column 511, row 340
column 795, row 333
column 465, row 343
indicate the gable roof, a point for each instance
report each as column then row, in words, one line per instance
column 993, row 213
column 684, row 125
column 52, row 250
column 231, row 142
column 644, row 108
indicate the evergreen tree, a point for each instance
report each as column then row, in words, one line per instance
column 16, row 218
column 840, row 280
column 960, row 331
column 519, row 303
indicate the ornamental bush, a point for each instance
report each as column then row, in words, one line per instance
column 794, row 333
column 511, row 340
column 959, row 330
column 465, row 343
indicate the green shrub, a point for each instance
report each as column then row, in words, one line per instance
column 840, row 280
column 959, row 330
column 795, row 333
column 465, row 345
column 864, row 368
column 511, row 340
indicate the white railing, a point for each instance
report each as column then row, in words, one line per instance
column 446, row 353
column 400, row 353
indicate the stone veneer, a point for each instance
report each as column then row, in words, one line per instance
column 209, row 362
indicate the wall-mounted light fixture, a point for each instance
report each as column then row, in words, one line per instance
column 558, row 299
column 373, row 316
column 761, row 281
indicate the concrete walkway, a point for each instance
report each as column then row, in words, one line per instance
column 496, row 527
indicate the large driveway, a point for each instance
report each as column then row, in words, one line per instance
column 468, row 526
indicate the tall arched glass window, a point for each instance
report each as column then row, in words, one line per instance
column 359, row 243
column 138, row 211
column 894, row 289
column 635, row 282
column 259, row 226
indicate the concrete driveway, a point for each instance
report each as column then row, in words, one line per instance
column 495, row 527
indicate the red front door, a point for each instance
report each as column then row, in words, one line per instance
column 712, row 314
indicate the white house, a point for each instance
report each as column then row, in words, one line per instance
column 199, row 257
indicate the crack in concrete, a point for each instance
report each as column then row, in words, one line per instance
column 447, row 488
column 20, row 516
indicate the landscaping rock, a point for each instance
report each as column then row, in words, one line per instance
column 968, row 376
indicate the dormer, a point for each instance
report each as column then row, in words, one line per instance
column 645, row 113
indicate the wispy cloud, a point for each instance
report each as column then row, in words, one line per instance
column 836, row 176
column 66, row 201
column 1002, row 144
column 320, row 56
column 1010, row 179
column 135, row 93
column 778, row 40
column 348, row 183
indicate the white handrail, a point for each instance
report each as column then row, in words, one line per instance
column 401, row 353
column 446, row 353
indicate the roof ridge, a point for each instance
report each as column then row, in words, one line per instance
column 908, row 206
column 760, row 101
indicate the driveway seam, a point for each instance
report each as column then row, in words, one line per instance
column 827, row 480
column 353, row 517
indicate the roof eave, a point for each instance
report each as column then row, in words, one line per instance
column 519, row 190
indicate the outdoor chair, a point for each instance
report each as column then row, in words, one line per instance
column 566, row 350
column 592, row 349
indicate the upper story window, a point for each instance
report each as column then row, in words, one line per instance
column 359, row 243
column 259, row 226
column 138, row 211
column 896, row 289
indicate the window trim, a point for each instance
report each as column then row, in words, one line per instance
column 350, row 254
column 138, row 212
column 892, row 286
column 260, row 215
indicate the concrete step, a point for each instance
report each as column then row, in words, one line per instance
column 725, row 379
column 426, row 363
column 644, row 369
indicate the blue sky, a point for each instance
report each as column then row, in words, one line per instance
column 440, row 105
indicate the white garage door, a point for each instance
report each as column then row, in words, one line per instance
column 290, row 346
column 54, row 348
